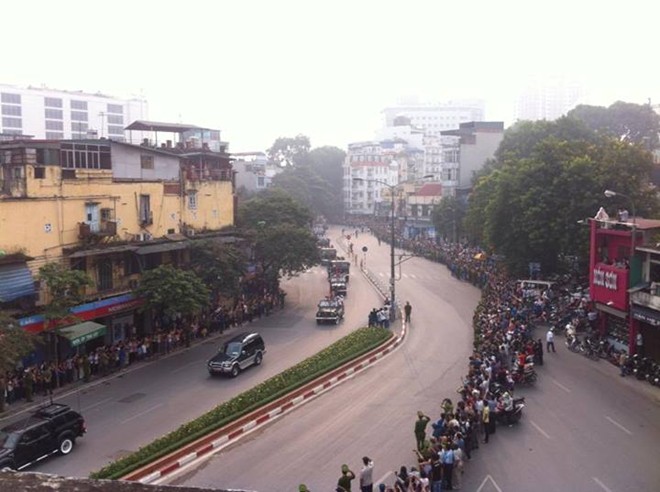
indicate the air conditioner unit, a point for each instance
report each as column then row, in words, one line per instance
column 190, row 231
column 144, row 236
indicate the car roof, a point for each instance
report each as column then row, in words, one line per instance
column 24, row 424
column 243, row 337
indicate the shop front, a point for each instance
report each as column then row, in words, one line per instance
column 615, row 326
column 648, row 324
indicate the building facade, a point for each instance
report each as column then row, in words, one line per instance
column 111, row 209
column 548, row 100
column 253, row 172
column 465, row 151
column 432, row 119
column 50, row 114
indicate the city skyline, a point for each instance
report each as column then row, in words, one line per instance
column 258, row 71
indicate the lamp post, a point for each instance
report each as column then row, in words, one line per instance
column 392, row 252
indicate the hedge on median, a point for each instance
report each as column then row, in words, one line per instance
column 340, row 352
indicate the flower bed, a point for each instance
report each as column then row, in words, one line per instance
column 340, row 352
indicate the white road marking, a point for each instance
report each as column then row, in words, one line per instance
column 141, row 413
column 105, row 400
column 602, row 485
column 618, row 425
column 560, row 385
column 413, row 275
column 544, row 433
column 404, row 275
column 382, row 479
column 381, row 274
column 488, row 477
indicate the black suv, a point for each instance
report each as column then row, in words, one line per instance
column 237, row 354
column 51, row 429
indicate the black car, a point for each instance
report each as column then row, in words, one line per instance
column 51, row 429
column 237, row 354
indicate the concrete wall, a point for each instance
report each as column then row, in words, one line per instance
column 126, row 164
column 474, row 156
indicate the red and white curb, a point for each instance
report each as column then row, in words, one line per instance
column 188, row 456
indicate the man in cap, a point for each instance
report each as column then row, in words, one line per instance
column 347, row 476
column 420, row 429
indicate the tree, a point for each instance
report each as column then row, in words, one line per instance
column 447, row 217
column 272, row 207
column 289, row 151
column 220, row 267
column 628, row 122
column 66, row 288
column 306, row 187
column 170, row 291
column 286, row 249
column 548, row 176
column 14, row 344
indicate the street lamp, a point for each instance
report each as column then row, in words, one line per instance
column 392, row 252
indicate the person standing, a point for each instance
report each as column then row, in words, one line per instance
column 639, row 341
column 347, row 476
column 407, row 309
column 366, row 475
column 28, row 384
column 550, row 341
column 420, row 429
column 447, row 457
column 485, row 421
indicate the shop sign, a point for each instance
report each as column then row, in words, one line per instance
column 646, row 317
column 605, row 279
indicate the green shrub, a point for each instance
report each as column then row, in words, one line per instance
column 340, row 352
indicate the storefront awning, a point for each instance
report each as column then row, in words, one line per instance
column 160, row 248
column 82, row 332
column 611, row 310
column 649, row 316
column 15, row 281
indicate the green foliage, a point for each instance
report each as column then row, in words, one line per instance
column 15, row 342
column 170, row 291
column 287, row 151
column 547, row 177
column 220, row 266
column 628, row 122
column 285, row 248
column 271, row 208
column 66, row 288
column 340, row 352
column 448, row 216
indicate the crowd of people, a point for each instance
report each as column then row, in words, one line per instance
column 29, row 381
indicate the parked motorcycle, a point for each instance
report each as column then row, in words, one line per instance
column 510, row 417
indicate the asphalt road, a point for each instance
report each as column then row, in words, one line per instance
column 126, row 412
column 584, row 428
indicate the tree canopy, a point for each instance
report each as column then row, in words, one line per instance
column 220, row 266
column 169, row 290
column 628, row 122
column 546, row 177
column 289, row 151
column 447, row 217
column 15, row 342
column 66, row 288
column 272, row 207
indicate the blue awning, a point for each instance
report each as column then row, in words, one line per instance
column 15, row 281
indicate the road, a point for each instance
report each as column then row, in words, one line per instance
column 584, row 429
column 126, row 412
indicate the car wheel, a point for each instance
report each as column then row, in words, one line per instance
column 235, row 370
column 8, row 465
column 258, row 358
column 66, row 445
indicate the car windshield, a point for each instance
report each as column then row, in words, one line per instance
column 233, row 348
column 8, row 441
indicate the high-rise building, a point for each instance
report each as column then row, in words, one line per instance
column 548, row 99
column 51, row 114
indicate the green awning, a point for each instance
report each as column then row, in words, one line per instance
column 82, row 332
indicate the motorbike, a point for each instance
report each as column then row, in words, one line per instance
column 512, row 416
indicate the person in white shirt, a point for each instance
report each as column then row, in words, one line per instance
column 550, row 341
column 366, row 475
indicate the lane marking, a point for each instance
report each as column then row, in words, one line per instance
column 413, row 275
column 602, row 485
column 619, row 425
column 560, row 385
column 381, row 274
column 545, row 434
column 382, row 479
column 405, row 275
column 141, row 413
column 105, row 400
column 492, row 480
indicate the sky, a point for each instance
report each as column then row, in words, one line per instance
column 262, row 69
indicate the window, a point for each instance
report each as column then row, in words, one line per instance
column 54, row 136
column 11, row 110
column 39, row 172
column 215, row 135
column 52, row 102
column 10, row 98
column 115, row 130
column 54, row 114
column 79, row 126
column 48, row 156
column 192, row 200
column 145, row 209
column 131, row 264
column 147, row 161
column 8, row 131
column 104, row 272
column 115, row 108
column 107, row 214
column 114, row 119
column 11, row 122
column 78, row 116
column 84, row 156
column 261, row 181
column 54, row 125
column 17, row 172
column 79, row 105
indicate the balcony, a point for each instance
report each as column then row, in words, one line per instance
column 647, row 297
column 104, row 228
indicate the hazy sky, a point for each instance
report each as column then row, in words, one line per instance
column 259, row 69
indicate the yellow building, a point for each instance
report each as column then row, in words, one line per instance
column 109, row 208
